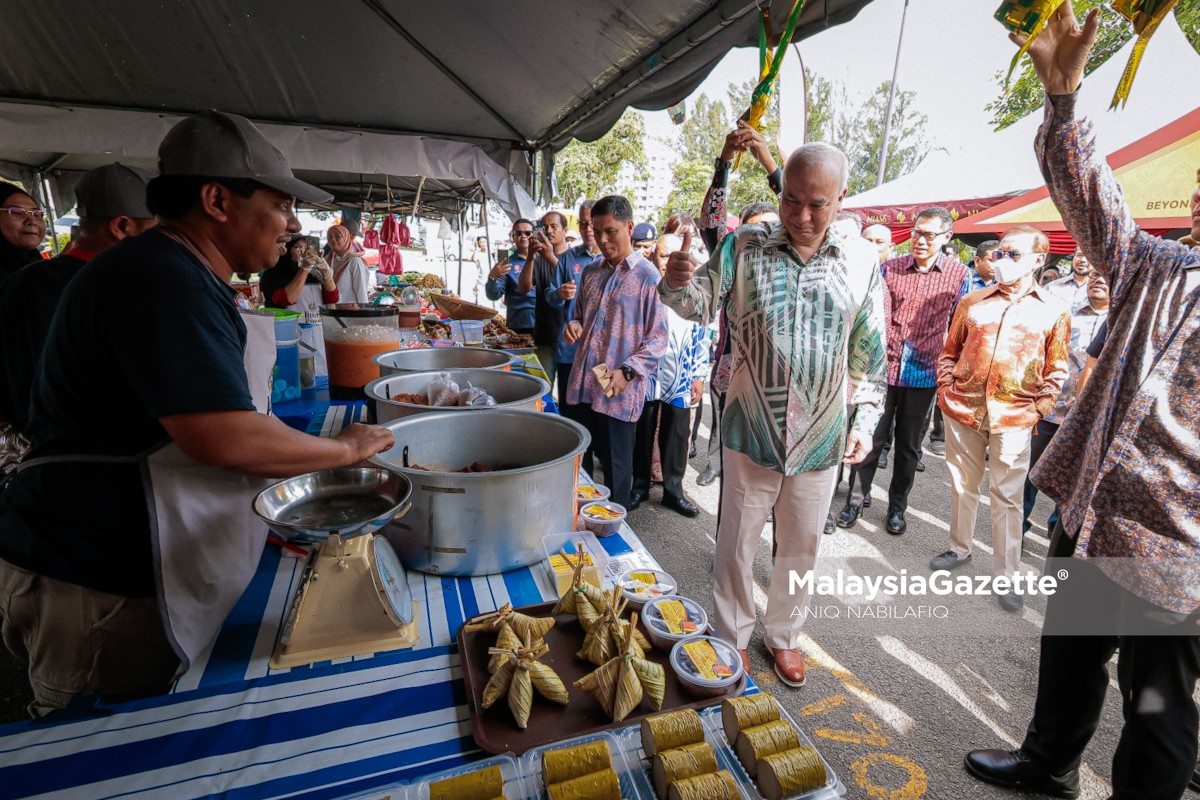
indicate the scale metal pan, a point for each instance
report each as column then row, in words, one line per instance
column 347, row 501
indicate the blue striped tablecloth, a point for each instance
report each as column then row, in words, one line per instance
column 236, row 728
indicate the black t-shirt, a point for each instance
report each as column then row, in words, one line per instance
column 118, row 358
column 27, row 302
column 548, row 321
column 1097, row 343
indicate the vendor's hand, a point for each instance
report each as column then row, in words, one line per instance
column 364, row 441
column 567, row 290
column 572, row 332
column 681, row 266
column 1060, row 52
column 858, row 447
column 697, row 392
column 500, row 270
column 308, row 263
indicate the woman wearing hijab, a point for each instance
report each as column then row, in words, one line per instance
column 22, row 228
column 299, row 279
column 349, row 270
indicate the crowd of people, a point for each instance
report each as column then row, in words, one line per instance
column 822, row 349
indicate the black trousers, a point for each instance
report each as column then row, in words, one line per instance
column 1042, row 434
column 908, row 408
column 612, row 441
column 1156, row 754
column 572, row 412
column 672, row 424
column 938, row 433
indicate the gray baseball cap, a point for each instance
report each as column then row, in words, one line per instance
column 219, row 145
column 112, row 191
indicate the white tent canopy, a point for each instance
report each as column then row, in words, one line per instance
column 1004, row 164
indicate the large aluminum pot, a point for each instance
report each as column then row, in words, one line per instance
column 436, row 359
column 514, row 390
column 479, row 523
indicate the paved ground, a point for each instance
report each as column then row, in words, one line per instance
column 894, row 713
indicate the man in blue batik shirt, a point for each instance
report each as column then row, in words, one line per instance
column 502, row 281
column 561, row 294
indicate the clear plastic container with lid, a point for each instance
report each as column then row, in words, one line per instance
column 355, row 334
column 706, row 666
column 642, row 585
column 673, row 618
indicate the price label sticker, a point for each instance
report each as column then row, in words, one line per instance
column 704, row 656
column 674, row 613
column 561, row 563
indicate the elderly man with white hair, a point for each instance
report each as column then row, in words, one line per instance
column 804, row 304
column 881, row 237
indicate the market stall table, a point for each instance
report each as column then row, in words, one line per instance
column 234, row 727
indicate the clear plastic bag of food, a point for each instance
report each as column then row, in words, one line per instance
column 474, row 396
column 443, row 391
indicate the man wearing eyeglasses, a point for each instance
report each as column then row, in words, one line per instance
column 1001, row 371
column 1123, row 468
column 560, row 294
column 548, row 244
column 921, row 291
column 502, row 280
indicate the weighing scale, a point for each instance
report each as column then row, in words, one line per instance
column 353, row 598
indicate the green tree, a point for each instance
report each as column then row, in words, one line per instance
column 863, row 142
column 592, row 169
column 700, row 140
column 1025, row 94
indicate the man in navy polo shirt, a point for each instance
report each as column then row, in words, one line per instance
column 503, row 278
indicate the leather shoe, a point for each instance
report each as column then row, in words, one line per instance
column 1015, row 770
column 636, row 498
column 920, row 463
column 848, row 516
column 949, row 560
column 883, row 460
column 1194, row 783
column 692, row 451
column 789, row 666
column 896, row 523
column 866, row 501
column 745, row 654
column 708, row 476
column 1011, row 601
column 937, row 448
column 682, row 505
column 830, row 527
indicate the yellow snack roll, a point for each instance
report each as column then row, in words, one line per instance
column 602, row 785
column 481, row 784
column 710, row 786
column 791, row 773
column 670, row 730
column 572, row 762
column 671, row 766
column 754, row 744
column 739, row 713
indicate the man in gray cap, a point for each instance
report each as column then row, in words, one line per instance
column 111, row 202
column 150, row 404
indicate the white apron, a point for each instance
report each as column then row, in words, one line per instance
column 206, row 538
column 311, row 294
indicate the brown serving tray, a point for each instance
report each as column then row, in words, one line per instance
column 496, row 732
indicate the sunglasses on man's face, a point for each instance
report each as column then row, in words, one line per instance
column 522, row 233
column 1011, row 255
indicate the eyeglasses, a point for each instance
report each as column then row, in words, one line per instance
column 522, row 233
column 18, row 211
column 1011, row 255
column 930, row 235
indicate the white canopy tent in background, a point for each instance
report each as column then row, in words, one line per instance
column 1003, row 164
column 464, row 93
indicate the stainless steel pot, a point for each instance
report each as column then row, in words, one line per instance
column 427, row 359
column 483, row 522
column 514, row 390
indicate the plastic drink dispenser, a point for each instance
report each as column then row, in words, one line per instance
column 354, row 334
column 285, row 383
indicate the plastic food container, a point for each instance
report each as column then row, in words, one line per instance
column 442, row 784
column 632, row 784
column 706, row 666
column 642, row 585
column 672, row 619
column 602, row 517
column 353, row 337
column 588, row 493
column 560, row 571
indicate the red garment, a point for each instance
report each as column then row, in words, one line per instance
column 371, row 239
column 390, row 260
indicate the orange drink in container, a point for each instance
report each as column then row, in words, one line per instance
column 354, row 334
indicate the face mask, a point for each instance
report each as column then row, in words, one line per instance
column 1009, row 271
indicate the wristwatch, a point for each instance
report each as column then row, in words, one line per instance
column 628, row 372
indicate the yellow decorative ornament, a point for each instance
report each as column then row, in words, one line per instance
column 1146, row 16
column 1026, row 18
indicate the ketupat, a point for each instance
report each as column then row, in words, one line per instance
column 602, row 785
column 480, row 784
column 518, row 677
column 527, row 628
column 621, row 683
column 507, row 640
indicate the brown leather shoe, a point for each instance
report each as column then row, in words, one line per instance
column 745, row 654
column 789, row 666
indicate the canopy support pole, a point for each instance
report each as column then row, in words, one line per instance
column 887, row 120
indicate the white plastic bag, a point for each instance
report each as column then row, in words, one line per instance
column 443, row 391
column 474, row 396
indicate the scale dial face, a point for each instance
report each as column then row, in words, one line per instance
column 391, row 581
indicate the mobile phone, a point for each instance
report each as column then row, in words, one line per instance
column 501, row 254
